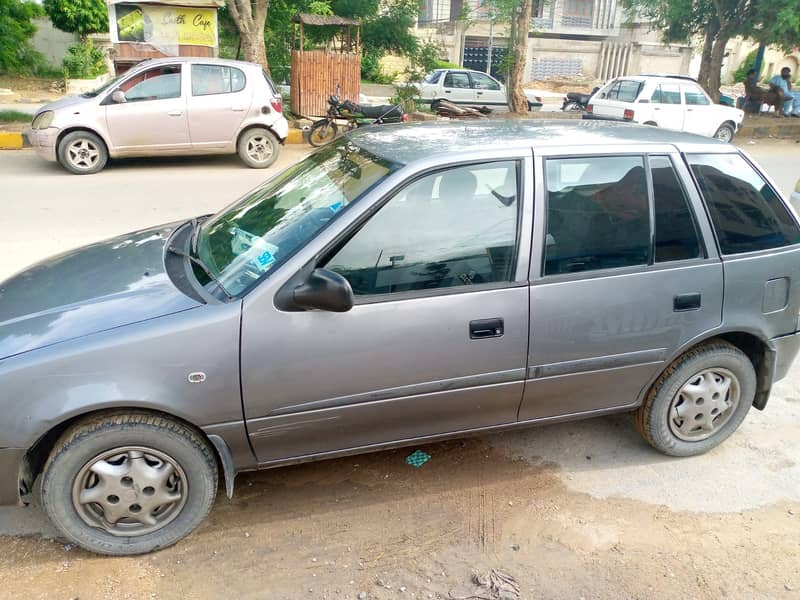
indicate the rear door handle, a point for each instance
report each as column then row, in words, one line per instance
column 486, row 328
column 175, row 113
column 683, row 302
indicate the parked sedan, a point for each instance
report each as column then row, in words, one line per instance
column 169, row 106
column 672, row 102
column 471, row 88
column 401, row 285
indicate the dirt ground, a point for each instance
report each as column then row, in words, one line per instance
column 374, row 524
column 29, row 89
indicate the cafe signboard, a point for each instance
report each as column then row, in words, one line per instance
column 163, row 26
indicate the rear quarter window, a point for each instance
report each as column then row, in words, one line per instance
column 747, row 214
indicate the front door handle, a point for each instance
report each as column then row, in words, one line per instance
column 683, row 302
column 175, row 113
column 238, row 109
column 486, row 328
column 447, row 91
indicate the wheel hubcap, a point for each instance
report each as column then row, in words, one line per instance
column 704, row 405
column 129, row 491
column 259, row 149
column 83, row 154
column 724, row 135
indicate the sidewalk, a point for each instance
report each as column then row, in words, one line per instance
column 761, row 127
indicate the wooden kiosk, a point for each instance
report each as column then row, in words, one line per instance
column 335, row 62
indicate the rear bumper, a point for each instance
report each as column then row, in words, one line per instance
column 10, row 463
column 786, row 350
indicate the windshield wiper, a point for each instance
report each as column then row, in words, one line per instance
column 203, row 267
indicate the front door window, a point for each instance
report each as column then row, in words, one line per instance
column 160, row 83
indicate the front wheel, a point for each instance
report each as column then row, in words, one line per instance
column 258, row 148
column 725, row 133
column 129, row 483
column 699, row 400
column 322, row 132
column 82, row 153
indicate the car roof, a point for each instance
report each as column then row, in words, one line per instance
column 405, row 143
column 171, row 60
column 657, row 78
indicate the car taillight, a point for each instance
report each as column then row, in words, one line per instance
column 589, row 108
column 277, row 104
column 404, row 118
column 628, row 114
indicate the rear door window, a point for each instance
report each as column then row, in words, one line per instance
column 748, row 215
column 666, row 93
column 695, row 96
column 208, row 80
column 598, row 214
column 457, row 80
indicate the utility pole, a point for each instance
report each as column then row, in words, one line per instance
column 489, row 54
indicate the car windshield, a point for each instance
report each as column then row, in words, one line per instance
column 102, row 88
column 432, row 77
column 245, row 241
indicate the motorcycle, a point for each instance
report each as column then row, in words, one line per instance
column 356, row 115
column 575, row 101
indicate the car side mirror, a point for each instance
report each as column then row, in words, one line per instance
column 324, row 290
column 118, row 96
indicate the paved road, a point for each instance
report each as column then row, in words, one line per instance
column 46, row 210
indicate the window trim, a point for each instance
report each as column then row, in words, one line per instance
column 327, row 252
column 109, row 102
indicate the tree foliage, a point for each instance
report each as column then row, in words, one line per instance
column 16, row 31
column 78, row 16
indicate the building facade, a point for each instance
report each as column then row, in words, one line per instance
column 581, row 39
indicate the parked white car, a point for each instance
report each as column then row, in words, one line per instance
column 676, row 103
column 467, row 87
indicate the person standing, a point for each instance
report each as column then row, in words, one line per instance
column 791, row 99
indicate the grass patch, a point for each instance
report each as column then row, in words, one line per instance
column 14, row 116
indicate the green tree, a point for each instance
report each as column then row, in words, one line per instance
column 78, row 16
column 250, row 17
column 16, row 31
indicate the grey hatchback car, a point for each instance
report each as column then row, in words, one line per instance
column 401, row 285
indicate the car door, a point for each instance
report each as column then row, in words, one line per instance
column 436, row 341
column 220, row 99
column 457, row 88
column 153, row 117
column 488, row 91
column 700, row 117
column 668, row 108
column 609, row 307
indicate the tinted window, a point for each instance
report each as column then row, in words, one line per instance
column 450, row 229
column 695, row 96
column 216, row 79
column 676, row 233
column 456, row 80
column 432, row 77
column 484, row 82
column 597, row 214
column 747, row 213
column 154, row 84
column 625, row 90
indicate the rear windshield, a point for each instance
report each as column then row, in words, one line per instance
column 747, row 213
column 624, row 90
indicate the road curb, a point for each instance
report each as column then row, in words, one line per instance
column 13, row 140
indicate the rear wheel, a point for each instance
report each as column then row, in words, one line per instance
column 322, row 132
column 129, row 483
column 699, row 401
column 725, row 133
column 258, row 148
column 82, row 153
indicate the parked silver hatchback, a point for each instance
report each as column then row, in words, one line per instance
column 401, row 285
column 163, row 107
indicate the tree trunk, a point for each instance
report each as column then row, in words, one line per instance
column 517, row 101
column 711, row 31
column 715, row 68
column 250, row 17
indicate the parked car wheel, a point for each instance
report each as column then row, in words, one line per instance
column 82, row 153
column 322, row 132
column 129, row 483
column 699, row 401
column 725, row 133
column 258, row 148
column 572, row 107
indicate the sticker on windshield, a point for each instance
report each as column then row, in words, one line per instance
column 336, row 207
column 265, row 260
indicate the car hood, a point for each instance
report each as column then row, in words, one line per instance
column 95, row 288
column 68, row 102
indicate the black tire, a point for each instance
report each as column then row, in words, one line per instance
column 82, row 444
column 435, row 105
column 651, row 123
column 654, row 419
column 258, row 148
column 322, row 132
column 82, row 152
column 725, row 133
